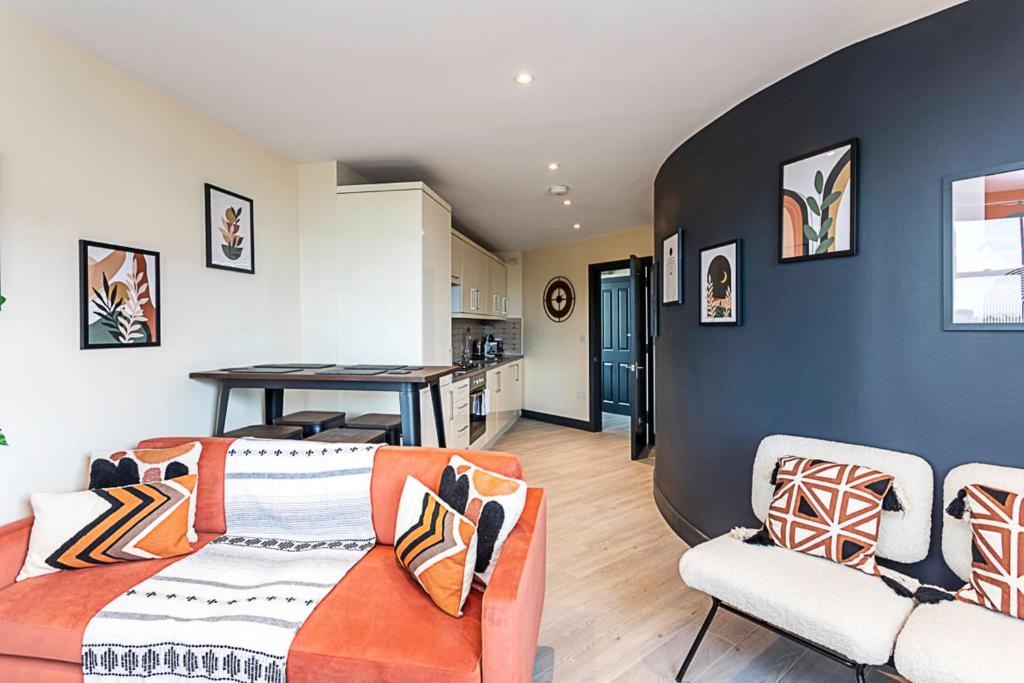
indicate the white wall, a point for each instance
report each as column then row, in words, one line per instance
column 87, row 151
column 557, row 374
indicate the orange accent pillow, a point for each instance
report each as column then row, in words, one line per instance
column 102, row 526
column 436, row 545
column 829, row 510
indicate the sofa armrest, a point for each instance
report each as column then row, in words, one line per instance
column 13, row 549
column 514, row 599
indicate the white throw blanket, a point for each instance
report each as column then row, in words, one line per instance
column 298, row 518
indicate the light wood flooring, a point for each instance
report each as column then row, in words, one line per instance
column 616, row 609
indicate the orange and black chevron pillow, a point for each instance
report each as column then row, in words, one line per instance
column 102, row 526
column 997, row 548
column 828, row 510
column 436, row 545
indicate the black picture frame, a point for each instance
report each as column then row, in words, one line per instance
column 680, row 296
column 947, row 252
column 854, row 144
column 737, row 289
column 84, row 294
column 208, row 189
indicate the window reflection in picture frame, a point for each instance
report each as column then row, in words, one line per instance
column 983, row 245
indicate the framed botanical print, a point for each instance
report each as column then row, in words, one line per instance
column 983, row 250
column 721, row 281
column 119, row 296
column 229, row 231
column 818, row 204
column 672, row 268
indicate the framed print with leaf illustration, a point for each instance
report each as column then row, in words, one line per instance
column 818, row 204
column 720, row 280
column 229, row 231
column 119, row 296
column 983, row 250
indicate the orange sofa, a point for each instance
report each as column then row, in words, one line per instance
column 376, row 625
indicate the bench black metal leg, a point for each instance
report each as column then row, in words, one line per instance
column 700, row 636
column 858, row 671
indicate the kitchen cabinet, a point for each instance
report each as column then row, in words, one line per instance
column 457, row 408
column 497, row 288
column 479, row 281
column 516, row 382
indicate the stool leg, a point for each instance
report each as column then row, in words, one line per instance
column 696, row 643
column 858, row 671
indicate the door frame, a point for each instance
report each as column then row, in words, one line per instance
column 594, row 271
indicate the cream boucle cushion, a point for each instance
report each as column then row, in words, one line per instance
column 953, row 642
column 904, row 536
column 956, row 533
column 851, row 612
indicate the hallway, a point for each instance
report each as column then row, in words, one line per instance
column 616, row 609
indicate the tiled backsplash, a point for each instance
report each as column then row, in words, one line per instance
column 509, row 331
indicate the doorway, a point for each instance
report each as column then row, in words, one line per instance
column 621, row 361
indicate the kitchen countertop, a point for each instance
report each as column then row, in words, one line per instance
column 466, row 373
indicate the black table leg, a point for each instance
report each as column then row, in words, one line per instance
column 273, row 405
column 435, row 400
column 223, row 394
column 409, row 399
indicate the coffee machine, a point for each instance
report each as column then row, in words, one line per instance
column 493, row 348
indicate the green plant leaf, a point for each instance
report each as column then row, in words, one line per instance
column 819, row 182
column 810, row 234
column 830, row 200
column 823, row 247
column 813, row 203
column 825, row 225
column 1019, row 214
column 3, row 300
column 3, row 439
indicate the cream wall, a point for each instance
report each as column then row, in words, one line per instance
column 557, row 371
column 87, row 151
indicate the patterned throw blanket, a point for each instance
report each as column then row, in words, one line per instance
column 298, row 518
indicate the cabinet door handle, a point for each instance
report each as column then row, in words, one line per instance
column 462, row 429
column 462, row 406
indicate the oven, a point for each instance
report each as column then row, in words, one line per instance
column 477, row 406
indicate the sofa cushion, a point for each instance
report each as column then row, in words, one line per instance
column 390, row 468
column 96, row 527
column 997, row 571
column 436, row 545
column 491, row 501
column 147, row 465
column 850, row 612
column 828, row 510
column 953, row 642
column 376, row 625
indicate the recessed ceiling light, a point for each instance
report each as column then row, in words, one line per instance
column 567, row 202
column 552, row 166
column 524, row 78
column 576, row 226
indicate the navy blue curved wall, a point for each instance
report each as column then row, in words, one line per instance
column 850, row 349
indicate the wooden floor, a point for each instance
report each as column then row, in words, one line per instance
column 616, row 609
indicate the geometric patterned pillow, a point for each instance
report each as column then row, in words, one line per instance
column 146, row 465
column 828, row 510
column 997, row 548
column 102, row 526
column 491, row 501
column 436, row 545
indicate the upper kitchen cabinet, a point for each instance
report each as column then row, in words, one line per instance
column 376, row 274
column 479, row 281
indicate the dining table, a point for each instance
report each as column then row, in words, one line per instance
column 274, row 379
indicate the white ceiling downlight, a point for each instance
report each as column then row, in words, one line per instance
column 553, row 166
column 524, row 78
column 576, row 226
column 567, row 202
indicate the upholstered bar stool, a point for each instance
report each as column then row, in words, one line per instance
column 312, row 421
column 350, row 435
column 267, row 432
column 391, row 424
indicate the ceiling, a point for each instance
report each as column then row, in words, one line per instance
column 425, row 91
